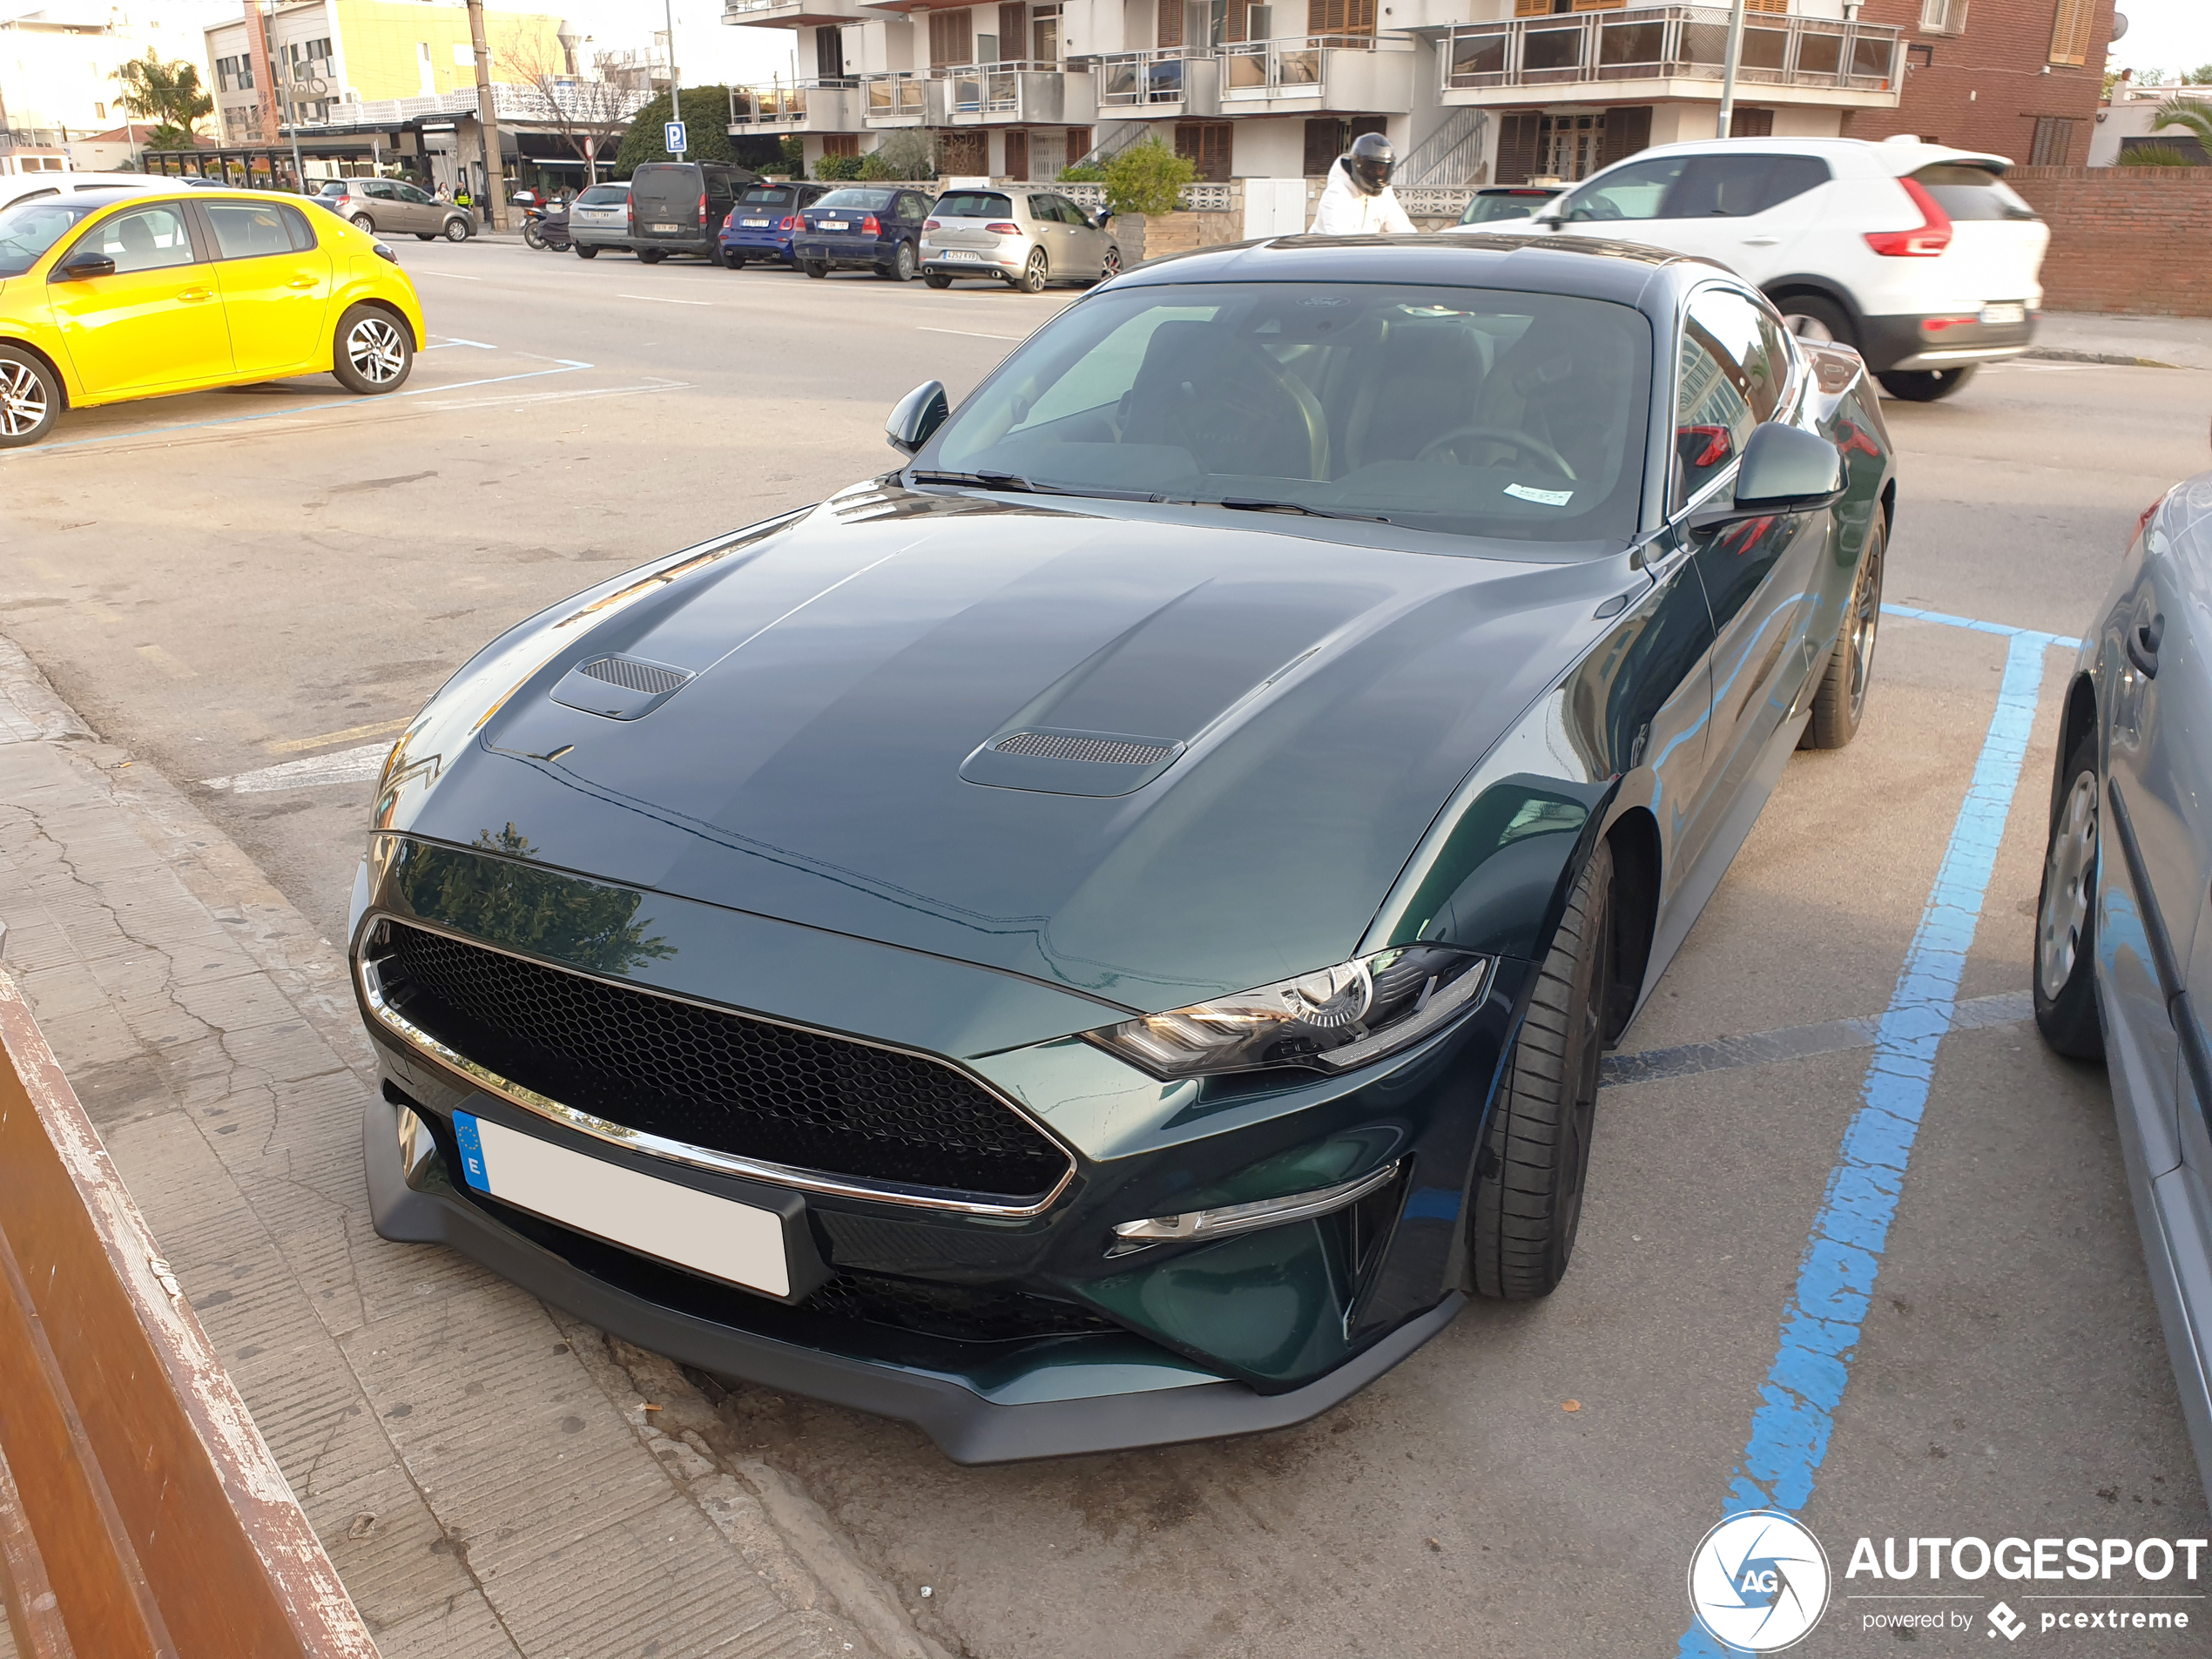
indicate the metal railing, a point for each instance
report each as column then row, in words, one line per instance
column 779, row 104
column 1128, row 78
column 1291, row 67
column 899, row 92
column 1450, row 155
column 984, row 89
column 1670, row 43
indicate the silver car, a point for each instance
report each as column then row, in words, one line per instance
column 2123, row 935
column 599, row 218
column 390, row 206
column 1027, row 238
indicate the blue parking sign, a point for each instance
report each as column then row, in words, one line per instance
column 673, row 138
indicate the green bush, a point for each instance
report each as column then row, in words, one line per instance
column 837, row 167
column 1146, row 178
column 707, row 122
column 793, row 149
column 1091, row 174
column 2151, row 156
column 904, row 154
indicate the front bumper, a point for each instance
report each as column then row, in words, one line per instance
column 1905, row 343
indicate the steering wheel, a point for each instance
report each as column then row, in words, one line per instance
column 1314, row 418
column 1520, row 440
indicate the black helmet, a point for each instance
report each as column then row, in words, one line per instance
column 1370, row 162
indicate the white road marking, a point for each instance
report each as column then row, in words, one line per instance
column 445, row 341
column 359, row 766
column 379, row 728
column 663, row 298
column 969, row 333
column 432, row 270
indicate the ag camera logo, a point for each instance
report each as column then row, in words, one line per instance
column 1759, row 1581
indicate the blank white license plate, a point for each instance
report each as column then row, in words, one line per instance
column 668, row 227
column 754, row 224
column 958, row 253
column 833, row 224
column 711, row 1235
column 2004, row 313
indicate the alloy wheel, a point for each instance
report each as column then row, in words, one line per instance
column 1866, row 620
column 22, row 400
column 373, row 348
column 902, row 263
column 1807, row 327
column 2069, row 876
column 1112, row 267
column 1033, row 275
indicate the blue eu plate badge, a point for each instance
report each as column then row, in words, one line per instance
column 472, row 1152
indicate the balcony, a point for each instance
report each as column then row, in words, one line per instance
column 1016, row 94
column 792, row 14
column 1359, row 73
column 810, row 106
column 1173, row 81
column 905, row 98
column 1671, row 51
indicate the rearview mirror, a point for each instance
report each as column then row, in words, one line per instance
column 1785, row 470
column 920, row 414
column 87, row 263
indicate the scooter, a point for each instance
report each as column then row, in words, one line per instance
column 548, row 233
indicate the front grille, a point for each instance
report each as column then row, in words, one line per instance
column 1112, row 752
column 715, row 1080
column 633, row 676
column 953, row 1311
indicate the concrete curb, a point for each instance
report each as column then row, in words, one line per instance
column 2060, row 354
column 189, row 999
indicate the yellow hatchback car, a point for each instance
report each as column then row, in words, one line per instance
column 107, row 298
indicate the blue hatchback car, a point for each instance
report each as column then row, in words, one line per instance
column 762, row 222
column 875, row 226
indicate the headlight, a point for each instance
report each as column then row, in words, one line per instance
column 1330, row 1020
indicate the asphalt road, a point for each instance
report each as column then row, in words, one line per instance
column 279, row 577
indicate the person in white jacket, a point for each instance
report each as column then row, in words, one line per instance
column 1358, row 199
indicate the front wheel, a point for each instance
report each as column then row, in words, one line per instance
column 1034, row 274
column 1840, row 702
column 372, row 354
column 2065, row 914
column 651, row 255
column 814, row 267
column 456, row 229
column 936, row 280
column 1926, row 384
column 583, row 253
column 31, row 398
column 1535, row 1156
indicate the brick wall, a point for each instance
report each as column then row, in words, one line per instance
column 2124, row 238
column 1986, row 89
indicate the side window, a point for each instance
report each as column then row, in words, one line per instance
column 1738, row 185
column 909, row 208
column 1040, row 207
column 249, row 230
column 1071, row 214
column 1635, row 190
column 382, row 189
column 1758, row 359
column 145, row 239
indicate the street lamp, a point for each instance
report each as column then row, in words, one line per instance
column 569, row 44
column 1728, row 75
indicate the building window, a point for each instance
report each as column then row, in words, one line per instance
column 1571, row 146
column 99, row 111
column 840, row 144
column 1943, row 16
column 1205, row 146
column 2053, row 141
column 1919, row 55
column 2070, row 28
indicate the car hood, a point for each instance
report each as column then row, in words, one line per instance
column 1318, row 703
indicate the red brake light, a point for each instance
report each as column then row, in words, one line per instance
column 1928, row 240
column 702, row 217
column 870, row 226
column 1001, row 228
column 932, row 225
column 788, row 222
column 1937, row 325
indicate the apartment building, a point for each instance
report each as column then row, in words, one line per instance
column 303, row 63
column 57, row 65
column 2019, row 78
column 1469, row 91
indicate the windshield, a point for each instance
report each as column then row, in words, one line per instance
column 866, row 201
column 28, row 231
column 1471, row 411
column 1483, row 209
column 604, row 196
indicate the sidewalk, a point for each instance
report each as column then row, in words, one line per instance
column 482, row 1470
column 2184, row 342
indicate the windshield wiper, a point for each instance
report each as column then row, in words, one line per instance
column 1014, row 482
column 1244, row 504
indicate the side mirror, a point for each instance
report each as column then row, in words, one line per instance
column 1102, row 218
column 87, row 263
column 919, row 414
column 1785, row 470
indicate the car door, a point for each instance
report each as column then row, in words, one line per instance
column 155, row 323
column 1086, row 242
column 1051, row 235
column 421, row 208
column 1761, row 576
column 912, row 209
column 275, row 283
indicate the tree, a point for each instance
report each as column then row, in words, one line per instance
column 905, row 152
column 707, row 122
column 168, row 94
column 589, row 115
column 2194, row 115
column 1147, row 179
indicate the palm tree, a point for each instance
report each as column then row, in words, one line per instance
column 2193, row 113
column 168, row 94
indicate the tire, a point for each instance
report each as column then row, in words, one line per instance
column 1034, row 274
column 31, row 398
column 457, row 230
column 814, row 267
column 936, row 280
column 1535, row 1154
column 583, row 253
column 902, row 264
column 651, row 255
column 1927, row 385
column 363, row 222
column 2066, row 913
column 732, row 259
column 1840, row 702
column 532, row 237
column 1810, row 317
column 371, row 352
column 426, row 236
column 1111, row 266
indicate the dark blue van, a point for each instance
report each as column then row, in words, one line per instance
column 763, row 220
column 877, row 226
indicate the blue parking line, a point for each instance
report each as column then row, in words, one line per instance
column 1827, row 1308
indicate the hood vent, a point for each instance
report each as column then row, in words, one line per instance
column 621, row 688
column 1058, row 762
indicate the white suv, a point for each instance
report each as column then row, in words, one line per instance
column 1921, row 257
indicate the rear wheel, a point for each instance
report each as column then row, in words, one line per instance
column 734, row 260
column 1810, row 317
column 363, row 222
column 1841, row 700
column 651, row 255
column 31, row 398
column 456, row 229
column 936, row 280
column 426, row 236
column 902, row 263
column 2065, row 914
column 1111, row 266
column 372, row 351
column 1535, row 1156
column 532, row 235
column 583, row 253
column 1926, row 384
column 814, row 267
column 1034, row 274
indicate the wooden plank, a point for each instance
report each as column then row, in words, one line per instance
column 142, row 1469
column 32, row 1610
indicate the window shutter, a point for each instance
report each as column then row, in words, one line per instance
column 1518, row 135
column 1782, row 6
column 2070, row 31
column 1171, row 24
column 949, row 38
column 1017, row 155
column 1013, row 31
column 1628, row 129
column 1599, row 5
column 1531, row 8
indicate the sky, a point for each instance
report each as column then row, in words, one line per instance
column 2171, row 35
column 708, row 52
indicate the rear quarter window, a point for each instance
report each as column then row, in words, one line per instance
column 1972, row 192
column 974, row 204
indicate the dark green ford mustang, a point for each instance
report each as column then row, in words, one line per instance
column 1104, row 935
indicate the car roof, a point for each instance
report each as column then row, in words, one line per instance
column 1896, row 157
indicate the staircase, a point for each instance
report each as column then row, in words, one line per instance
column 1111, row 142
column 1450, row 155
